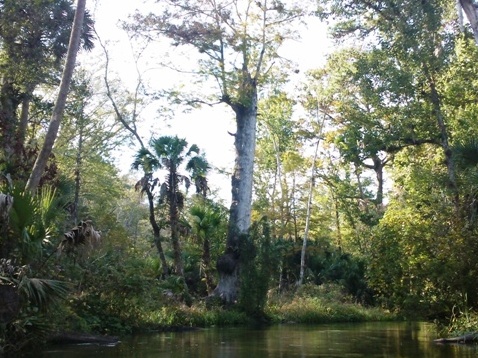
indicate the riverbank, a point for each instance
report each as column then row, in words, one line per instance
column 309, row 305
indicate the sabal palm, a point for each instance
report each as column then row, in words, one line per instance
column 207, row 223
column 169, row 152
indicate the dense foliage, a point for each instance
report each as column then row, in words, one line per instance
column 365, row 188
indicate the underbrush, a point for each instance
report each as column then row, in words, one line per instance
column 461, row 322
column 326, row 303
column 124, row 315
column 181, row 316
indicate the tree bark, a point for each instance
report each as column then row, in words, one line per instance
column 241, row 190
column 174, row 219
column 471, row 12
column 24, row 114
column 156, row 230
column 241, row 181
column 307, row 218
column 59, row 109
column 79, row 160
column 206, row 261
column 377, row 167
column 9, row 102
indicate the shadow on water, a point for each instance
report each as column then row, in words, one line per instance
column 377, row 339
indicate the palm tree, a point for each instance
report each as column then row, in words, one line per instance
column 147, row 184
column 207, row 223
column 169, row 152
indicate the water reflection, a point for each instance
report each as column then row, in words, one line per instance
column 338, row 340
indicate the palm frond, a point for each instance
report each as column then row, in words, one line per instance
column 23, row 210
column 47, row 206
column 466, row 153
column 186, row 181
column 198, row 166
column 193, row 149
column 170, row 147
column 42, row 292
column 145, row 160
column 197, row 211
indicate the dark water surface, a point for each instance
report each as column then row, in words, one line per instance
column 378, row 339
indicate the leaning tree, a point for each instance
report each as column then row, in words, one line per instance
column 33, row 44
column 60, row 103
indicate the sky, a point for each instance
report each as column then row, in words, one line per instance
column 208, row 127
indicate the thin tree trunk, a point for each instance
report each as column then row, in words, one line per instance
column 377, row 167
column 23, row 124
column 156, row 231
column 173, row 181
column 309, row 204
column 278, row 175
column 307, row 218
column 294, row 207
column 338, row 227
column 59, row 108
column 206, row 260
column 78, row 172
column 277, row 179
column 131, row 127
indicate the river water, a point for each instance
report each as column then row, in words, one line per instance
column 377, row 339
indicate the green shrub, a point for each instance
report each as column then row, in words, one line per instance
column 323, row 304
column 256, row 269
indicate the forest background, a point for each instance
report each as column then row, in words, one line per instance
column 363, row 199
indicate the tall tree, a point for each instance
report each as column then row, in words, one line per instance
column 276, row 139
column 60, row 103
column 416, row 38
column 238, row 41
column 33, row 42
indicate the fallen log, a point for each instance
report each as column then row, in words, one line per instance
column 82, row 338
column 466, row 338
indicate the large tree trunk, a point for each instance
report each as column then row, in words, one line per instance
column 241, row 189
column 59, row 108
column 241, row 182
column 471, row 12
